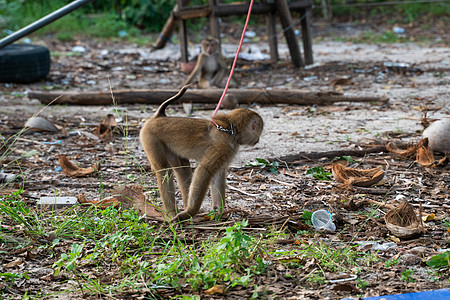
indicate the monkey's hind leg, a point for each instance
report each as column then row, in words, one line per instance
column 218, row 186
column 204, row 83
column 156, row 153
column 167, row 191
column 183, row 173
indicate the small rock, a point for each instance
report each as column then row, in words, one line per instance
column 408, row 259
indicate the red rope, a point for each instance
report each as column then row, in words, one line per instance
column 234, row 63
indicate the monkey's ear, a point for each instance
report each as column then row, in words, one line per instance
column 254, row 124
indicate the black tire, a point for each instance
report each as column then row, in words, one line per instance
column 23, row 63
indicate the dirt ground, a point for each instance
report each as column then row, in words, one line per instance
column 421, row 85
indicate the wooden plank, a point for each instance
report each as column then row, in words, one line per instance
column 157, row 96
column 226, row 10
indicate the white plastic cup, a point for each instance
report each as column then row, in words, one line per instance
column 321, row 219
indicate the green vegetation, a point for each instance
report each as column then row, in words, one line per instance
column 127, row 19
column 98, row 19
column 319, row 173
column 264, row 164
column 405, row 13
column 441, row 260
column 407, row 275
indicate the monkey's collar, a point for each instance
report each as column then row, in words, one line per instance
column 229, row 131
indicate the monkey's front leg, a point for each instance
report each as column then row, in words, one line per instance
column 199, row 186
column 218, row 186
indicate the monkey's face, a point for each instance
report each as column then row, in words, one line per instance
column 252, row 130
column 210, row 46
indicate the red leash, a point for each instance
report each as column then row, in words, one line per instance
column 234, row 63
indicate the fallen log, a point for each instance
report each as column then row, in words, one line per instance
column 157, row 96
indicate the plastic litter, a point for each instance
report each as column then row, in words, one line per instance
column 376, row 246
column 398, row 30
column 6, row 177
column 250, row 34
column 321, row 219
column 79, row 49
column 57, row 201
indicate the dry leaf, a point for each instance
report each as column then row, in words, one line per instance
column 14, row 263
column 127, row 197
column 217, row 289
column 341, row 81
column 402, row 221
column 352, row 176
column 71, row 170
column 428, row 218
column 102, row 203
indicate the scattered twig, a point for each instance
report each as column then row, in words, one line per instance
column 241, row 191
column 329, row 154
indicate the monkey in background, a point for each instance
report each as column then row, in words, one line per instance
column 211, row 66
column 169, row 143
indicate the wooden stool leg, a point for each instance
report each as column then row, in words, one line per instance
column 273, row 42
column 214, row 22
column 182, row 32
column 183, row 41
column 286, row 22
column 307, row 37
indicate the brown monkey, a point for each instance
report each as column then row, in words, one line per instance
column 211, row 66
column 170, row 142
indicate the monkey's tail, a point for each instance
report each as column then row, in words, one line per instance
column 161, row 110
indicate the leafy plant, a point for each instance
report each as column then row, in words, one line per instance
column 406, row 275
column 362, row 284
column 263, row 164
column 68, row 262
column 439, row 261
column 348, row 159
column 306, row 216
column 234, row 259
column 11, row 277
column 391, row 262
column 318, row 173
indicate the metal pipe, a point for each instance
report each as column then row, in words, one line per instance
column 43, row 22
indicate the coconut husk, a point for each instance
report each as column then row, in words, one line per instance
column 40, row 124
column 408, row 152
column 71, row 170
column 105, row 128
column 402, row 221
column 424, row 156
column 356, row 177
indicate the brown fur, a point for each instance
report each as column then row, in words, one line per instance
column 170, row 142
column 211, row 66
